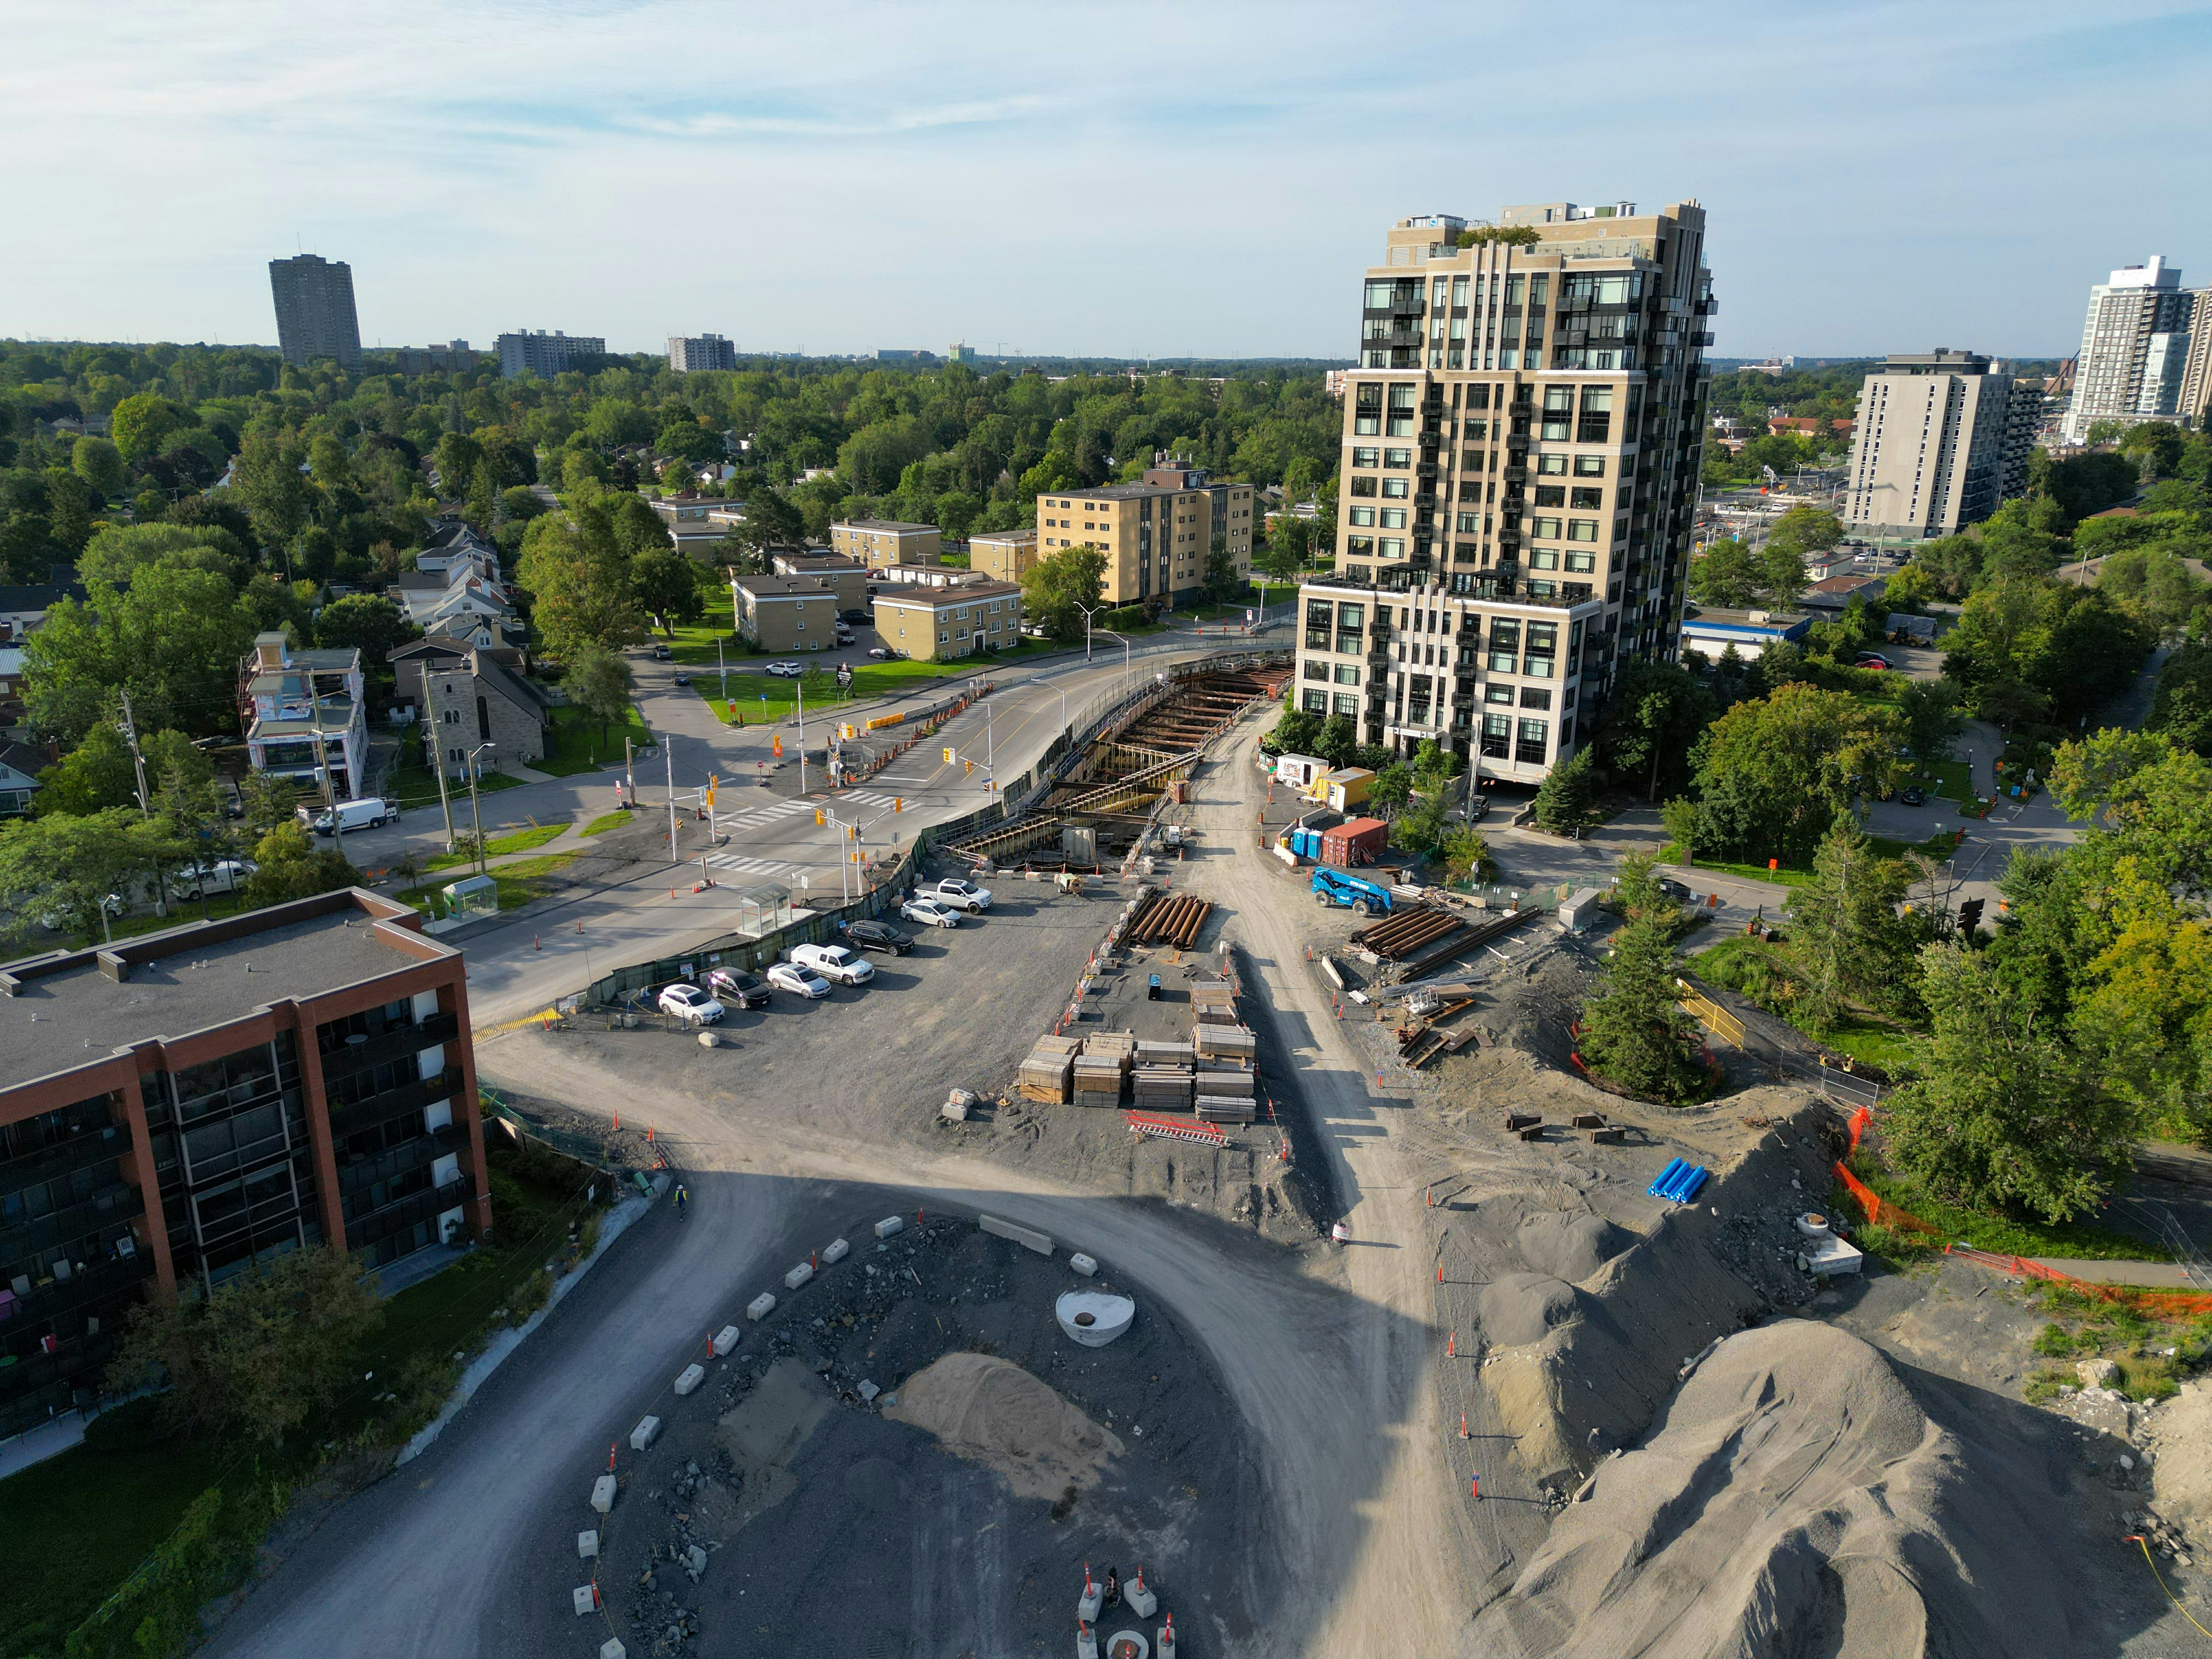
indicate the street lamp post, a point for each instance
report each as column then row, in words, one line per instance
column 475, row 817
column 1089, row 612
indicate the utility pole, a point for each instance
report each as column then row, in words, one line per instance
column 476, row 818
column 145, row 807
column 799, row 687
column 438, row 756
column 668, row 755
column 629, row 772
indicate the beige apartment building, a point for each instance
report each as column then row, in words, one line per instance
column 1002, row 555
column 1522, row 446
column 778, row 614
column 936, row 624
column 1156, row 535
column 1942, row 440
column 876, row 543
column 844, row 578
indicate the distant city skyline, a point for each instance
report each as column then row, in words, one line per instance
column 1928, row 185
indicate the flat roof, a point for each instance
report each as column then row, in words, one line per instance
column 952, row 593
column 782, row 587
column 898, row 526
column 67, row 1009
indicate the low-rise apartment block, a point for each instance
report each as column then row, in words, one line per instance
column 1156, row 535
column 844, row 578
column 533, row 351
column 778, row 614
column 931, row 623
column 176, row 1107
column 876, row 543
column 1002, row 555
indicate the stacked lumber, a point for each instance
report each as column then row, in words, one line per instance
column 1097, row 1080
column 1116, row 1045
column 1212, row 1002
column 1226, row 1042
column 1044, row 1075
column 1226, row 1109
column 1225, row 1078
column 1164, row 1053
column 1161, row 1088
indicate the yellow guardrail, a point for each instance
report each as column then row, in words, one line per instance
column 1710, row 1014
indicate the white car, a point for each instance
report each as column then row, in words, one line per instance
column 223, row 876
column 832, row 962
column 962, row 895
column 689, row 1003
column 799, row 981
column 784, row 670
column 929, row 913
column 879, row 653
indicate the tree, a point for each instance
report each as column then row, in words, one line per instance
column 1775, row 771
column 668, row 588
column 1224, row 582
column 269, row 486
column 142, row 422
column 1566, row 801
column 1422, row 828
column 457, row 459
column 1846, row 934
column 261, row 1355
column 1392, row 788
column 100, row 464
column 2152, row 585
column 1634, row 1032
column 2085, row 484
column 2007, row 1116
column 173, row 638
column 1930, row 709
column 1467, row 856
column 1726, row 576
column 1336, row 742
column 368, row 623
column 1294, row 734
column 2181, row 707
column 1289, row 539
column 1651, row 720
column 1679, row 815
column 1949, row 568
column 118, row 552
column 599, row 681
column 581, row 582
column 65, row 866
column 91, row 777
column 293, row 867
column 1058, row 584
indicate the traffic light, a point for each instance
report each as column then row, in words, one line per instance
column 971, row 769
column 820, row 816
column 1970, row 917
column 898, row 803
column 712, row 780
column 948, row 754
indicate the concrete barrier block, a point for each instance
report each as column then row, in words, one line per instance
column 761, row 1306
column 613, row 1649
column 725, row 1339
column 689, row 1378
column 587, row 1545
column 1041, row 1242
column 646, row 1432
column 585, row 1600
column 1085, row 1265
column 603, row 1494
column 798, row 1275
column 890, row 1224
column 835, row 1250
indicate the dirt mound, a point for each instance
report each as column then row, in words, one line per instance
column 992, row 1412
column 764, row 1432
column 1521, row 1307
column 1570, row 1246
column 1797, row 1499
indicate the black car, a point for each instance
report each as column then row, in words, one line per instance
column 733, row 985
column 1913, row 795
column 860, row 616
column 879, row 936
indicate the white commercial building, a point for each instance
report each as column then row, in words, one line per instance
column 2134, row 349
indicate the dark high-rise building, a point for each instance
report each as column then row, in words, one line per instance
column 315, row 316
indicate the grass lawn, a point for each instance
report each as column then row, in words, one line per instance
column 1784, row 877
column 873, row 679
column 81, row 1522
column 413, row 784
column 606, row 821
column 1758, row 970
column 499, row 846
column 2002, row 1234
column 1887, row 1047
column 1939, row 847
column 578, row 743
column 520, row 883
column 1953, row 780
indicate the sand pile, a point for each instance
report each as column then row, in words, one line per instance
column 1797, row 1498
column 992, row 1412
column 762, row 1434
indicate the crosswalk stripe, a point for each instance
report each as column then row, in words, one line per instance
column 862, row 795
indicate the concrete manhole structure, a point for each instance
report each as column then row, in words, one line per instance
column 1094, row 1318
column 1127, row 1644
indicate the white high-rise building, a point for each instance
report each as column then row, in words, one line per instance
column 2134, row 349
column 687, row 352
column 1942, row 440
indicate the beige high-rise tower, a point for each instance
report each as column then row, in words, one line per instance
column 1942, row 440
column 1522, row 446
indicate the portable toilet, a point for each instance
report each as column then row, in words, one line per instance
column 1347, row 786
column 1299, row 770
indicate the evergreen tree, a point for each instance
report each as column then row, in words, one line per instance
column 1566, row 802
column 1634, row 1031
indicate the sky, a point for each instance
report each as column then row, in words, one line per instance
column 1126, row 179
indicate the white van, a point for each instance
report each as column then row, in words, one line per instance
column 350, row 815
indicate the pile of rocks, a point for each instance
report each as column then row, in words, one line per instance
column 2167, row 1539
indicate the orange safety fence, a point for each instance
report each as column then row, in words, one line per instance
column 1873, row 1206
column 2172, row 1303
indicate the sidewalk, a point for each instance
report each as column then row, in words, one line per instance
column 2155, row 1275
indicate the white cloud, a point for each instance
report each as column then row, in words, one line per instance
column 1106, row 177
